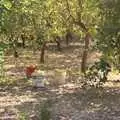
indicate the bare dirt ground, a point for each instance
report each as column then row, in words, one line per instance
column 20, row 101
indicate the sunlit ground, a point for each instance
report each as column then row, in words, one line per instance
column 69, row 101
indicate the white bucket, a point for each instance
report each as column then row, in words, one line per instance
column 38, row 81
column 59, row 77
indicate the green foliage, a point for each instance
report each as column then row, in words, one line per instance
column 47, row 18
column 1, row 63
column 23, row 116
column 97, row 73
column 45, row 111
column 109, row 32
column 2, row 49
column 45, row 114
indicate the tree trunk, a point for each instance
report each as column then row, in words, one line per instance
column 15, row 48
column 23, row 43
column 23, row 40
column 87, row 37
column 57, row 40
column 68, row 37
column 85, row 52
column 16, row 53
column 42, row 56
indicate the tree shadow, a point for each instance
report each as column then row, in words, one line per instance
column 92, row 104
column 73, row 103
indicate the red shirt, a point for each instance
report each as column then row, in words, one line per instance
column 29, row 70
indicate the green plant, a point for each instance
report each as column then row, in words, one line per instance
column 45, row 111
column 2, row 47
column 97, row 73
column 23, row 116
column 108, row 37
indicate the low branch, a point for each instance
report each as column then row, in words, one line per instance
column 79, row 22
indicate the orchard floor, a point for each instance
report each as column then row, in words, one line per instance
column 17, row 103
column 20, row 101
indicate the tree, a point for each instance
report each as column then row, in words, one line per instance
column 109, row 29
column 80, row 15
column 50, row 19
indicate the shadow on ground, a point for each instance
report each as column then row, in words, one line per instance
column 66, row 103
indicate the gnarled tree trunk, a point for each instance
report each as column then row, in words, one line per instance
column 68, row 37
column 85, row 52
column 57, row 40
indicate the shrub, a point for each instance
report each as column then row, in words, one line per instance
column 97, row 73
column 45, row 111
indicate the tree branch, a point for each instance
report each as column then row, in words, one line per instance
column 79, row 22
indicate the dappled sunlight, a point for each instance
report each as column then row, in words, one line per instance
column 60, row 60
column 9, row 100
column 8, row 66
column 90, row 104
column 94, row 57
column 114, row 76
column 56, row 56
column 70, row 100
column 14, row 102
column 113, row 80
column 112, row 84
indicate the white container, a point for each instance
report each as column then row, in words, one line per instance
column 58, row 78
column 38, row 81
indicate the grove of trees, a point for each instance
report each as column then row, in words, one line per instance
column 34, row 23
column 60, row 59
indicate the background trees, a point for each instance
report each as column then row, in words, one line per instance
column 34, row 22
column 109, row 32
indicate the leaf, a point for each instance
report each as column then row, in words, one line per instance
column 7, row 4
